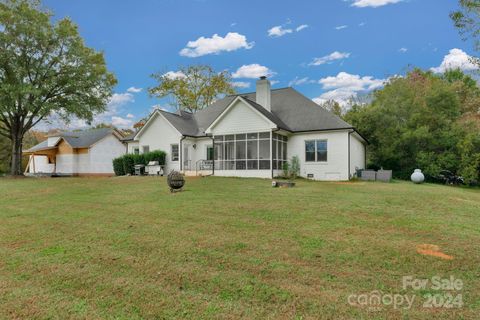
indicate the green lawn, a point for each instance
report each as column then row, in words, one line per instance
column 226, row 248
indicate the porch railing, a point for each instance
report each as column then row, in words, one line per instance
column 203, row 165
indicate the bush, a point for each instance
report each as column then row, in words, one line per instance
column 129, row 163
column 139, row 159
column 295, row 167
column 126, row 164
column 156, row 155
column 118, row 166
column 286, row 169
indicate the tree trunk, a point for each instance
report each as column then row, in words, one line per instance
column 16, row 168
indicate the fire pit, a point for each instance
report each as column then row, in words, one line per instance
column 176, row 181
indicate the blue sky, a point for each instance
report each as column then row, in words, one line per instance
column 325, row 49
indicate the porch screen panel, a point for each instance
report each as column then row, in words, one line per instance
column 279, row 151
column 249, row 151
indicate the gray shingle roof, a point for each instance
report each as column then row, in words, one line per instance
column 77, row 139
column 41, row 146
column 291, row 111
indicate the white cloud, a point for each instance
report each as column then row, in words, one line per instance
column 301, row 27
column 216, row 44
column 341, row 27
column 373, row 3
column 172, row 75
column 110, row 115
column 329, row 58
column 130, row 116
column 134, row 90
column 278, row 31
column 344, row 86
column 252, row 71
column 274, row 82
column 354, row 82
column 120, row 122
column 403, row 50
column 241, row 84
column 118, row 100
column 456, row 59
column 361, row 24
column 342, row 96
column 299, row 81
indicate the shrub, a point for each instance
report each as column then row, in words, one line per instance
column 129, row 163
column 126, row 164
column 286, row 169
column 139, row 159
column 294, row 167
column 118, row 166
column 156, row 155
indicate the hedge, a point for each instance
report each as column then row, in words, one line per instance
column 126, row 164
column 118, row 166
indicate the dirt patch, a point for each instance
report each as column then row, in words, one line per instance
column 432, row 250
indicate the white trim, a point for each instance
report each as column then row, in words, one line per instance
column 178, row 152
column 214, row 123
column 157, row 112
column 316, row 161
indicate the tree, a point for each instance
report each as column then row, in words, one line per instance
column 45, row 69
column 333, row 106
column 192, row 88
column 467, row 20
column 422, row 120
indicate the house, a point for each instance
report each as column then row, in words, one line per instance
column 76, row 153
column 253, row 135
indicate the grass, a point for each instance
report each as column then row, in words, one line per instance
column 227, row 248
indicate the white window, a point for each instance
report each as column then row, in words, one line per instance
column 146, row 149
column 136, row 150
column 316, row 151
column 174, row 152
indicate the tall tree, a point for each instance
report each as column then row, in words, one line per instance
column 192, row 88
column 423, row 120
column 45, row 68
column 333, row 106
column 467, row 20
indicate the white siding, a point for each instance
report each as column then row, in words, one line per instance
column 131, row 146
column 160, row 135
column 100, row 156
column 357, row 154
column 241, row 118
column 66, row 163
column 244, row 173
column 98, row 160
column 41, row 165
column 336, row 167
column 200, row 150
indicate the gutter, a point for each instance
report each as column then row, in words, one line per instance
column 349, row 160
column 180, row 152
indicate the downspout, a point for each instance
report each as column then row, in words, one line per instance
column 349, row 161
column 180, row 152
column 213, row 160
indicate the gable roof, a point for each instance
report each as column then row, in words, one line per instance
column 78, row 139
column 290, row 111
